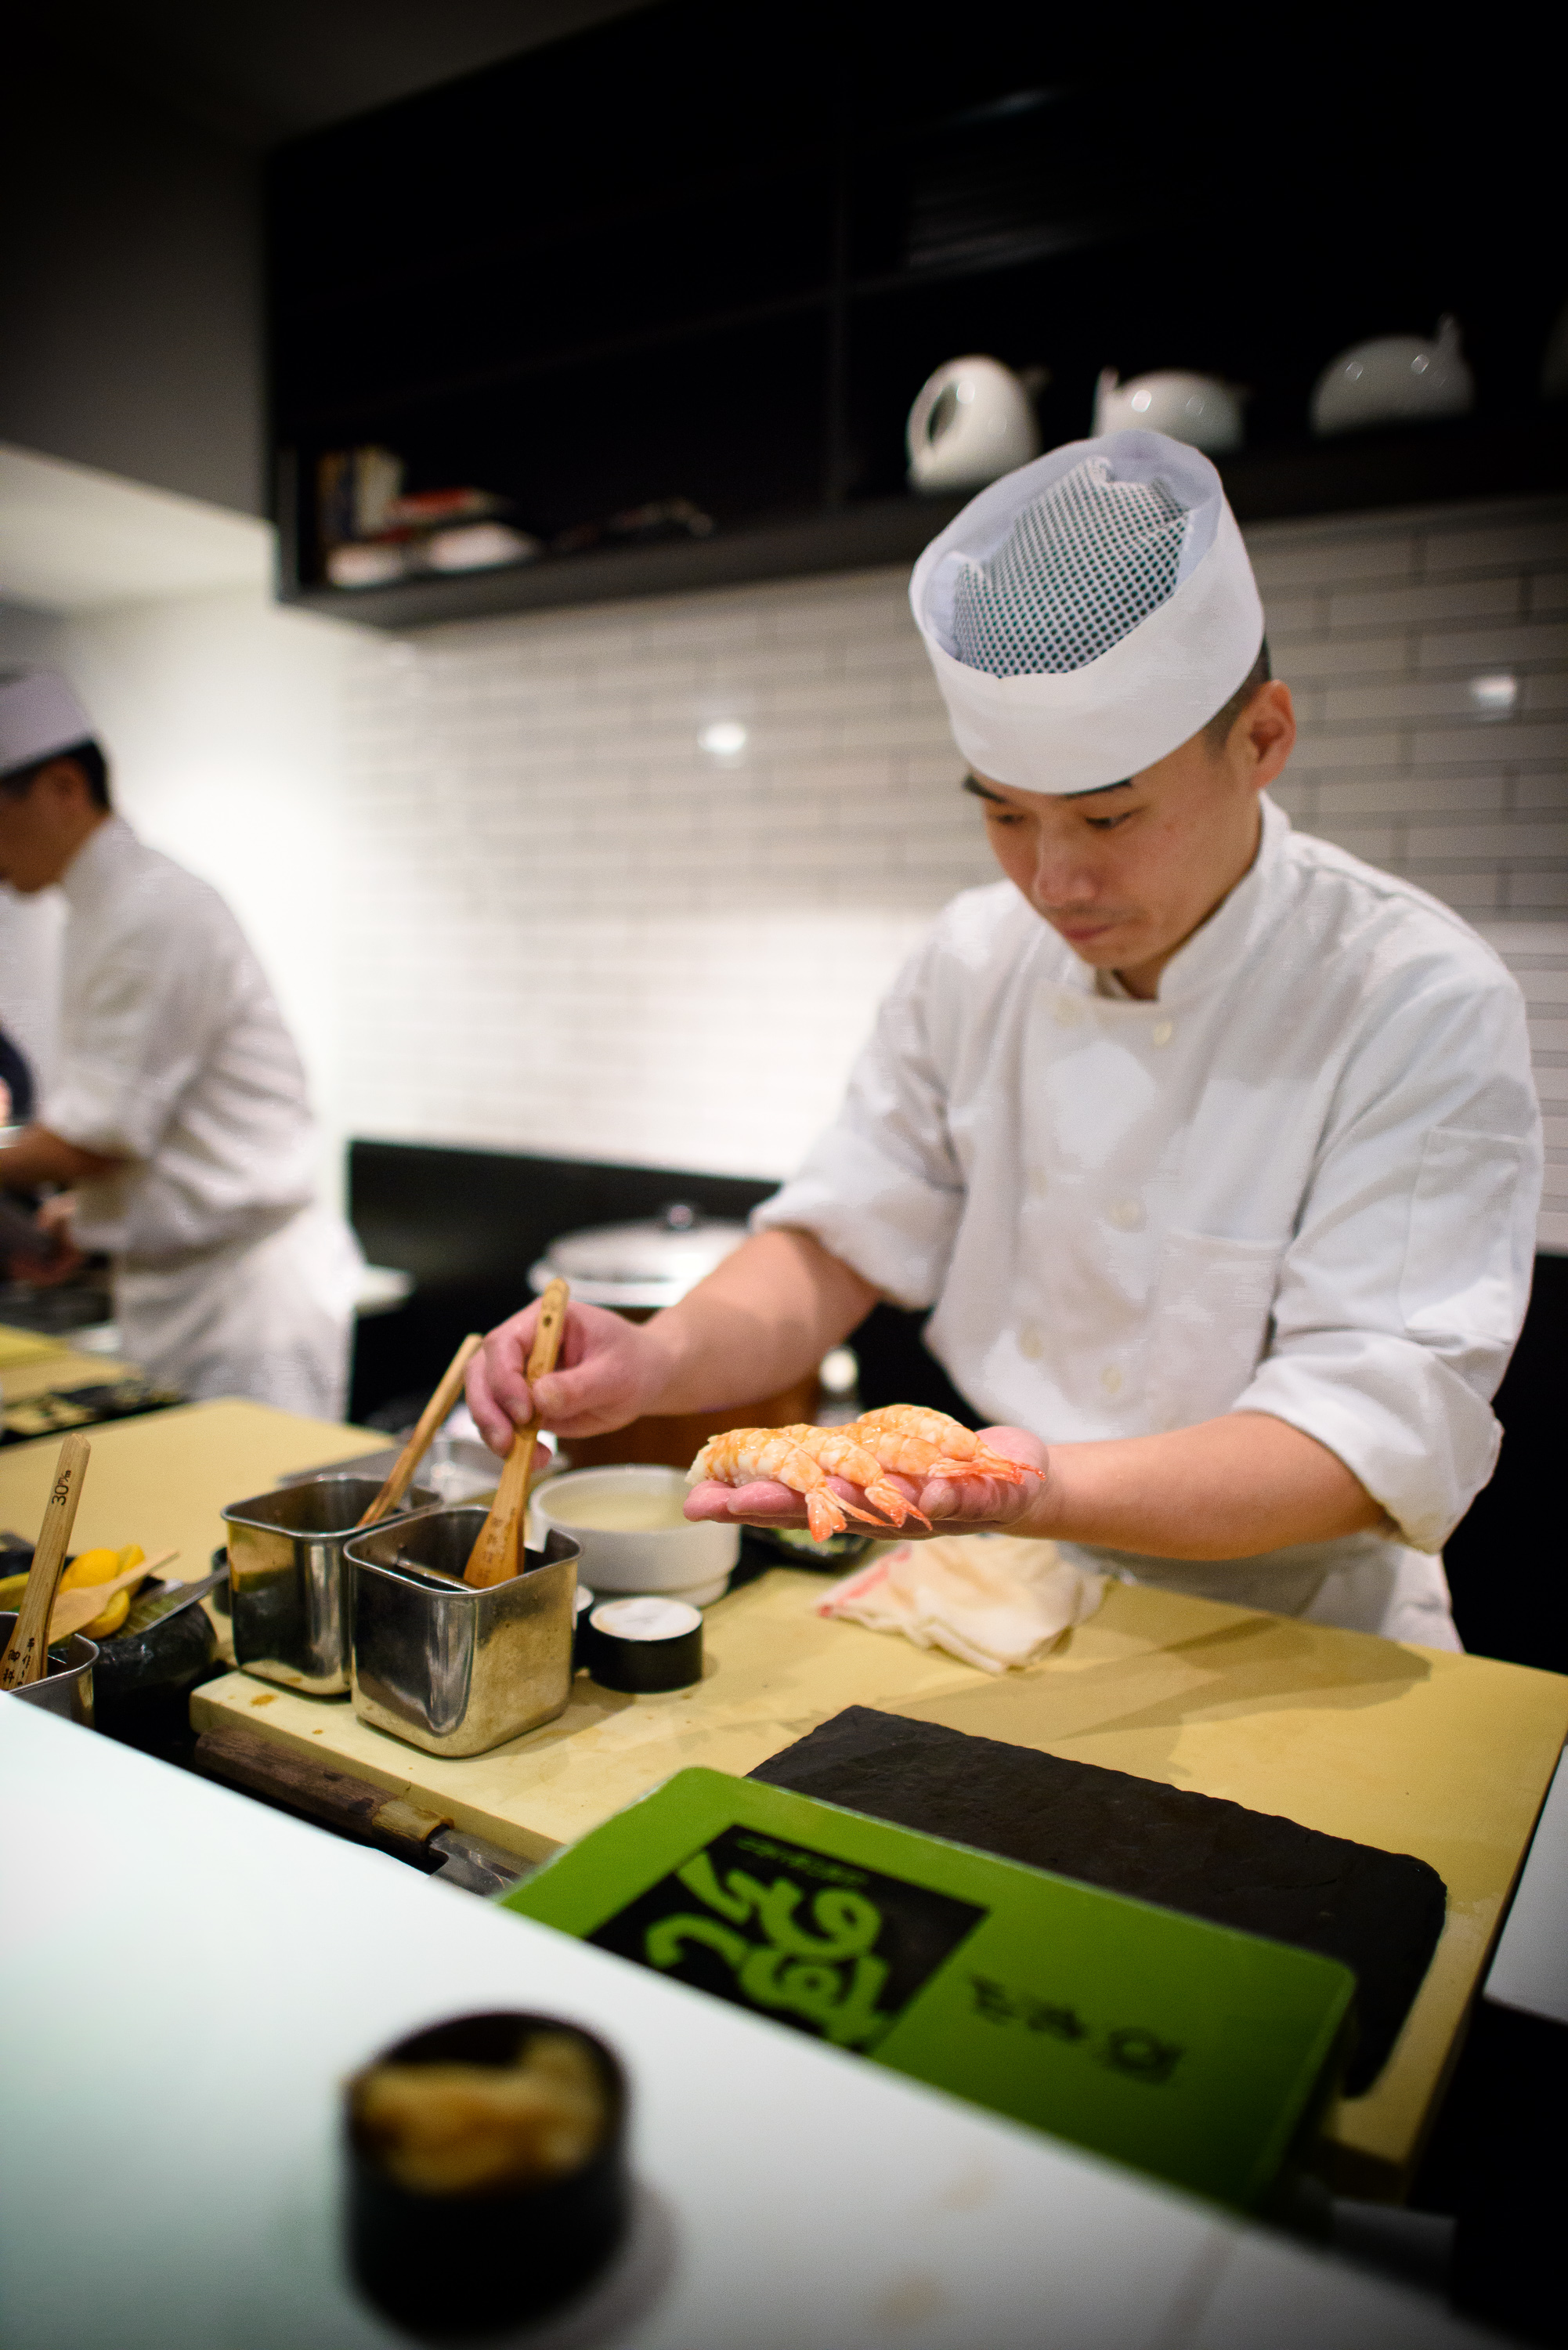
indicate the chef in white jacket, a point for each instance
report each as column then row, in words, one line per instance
column 1214, row 1150
column 178, row 1114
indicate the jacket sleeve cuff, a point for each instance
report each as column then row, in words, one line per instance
column 92, row 1122
column 888, row 1224
column 1421, row 1441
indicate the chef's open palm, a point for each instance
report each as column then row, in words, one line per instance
column 975, row 1506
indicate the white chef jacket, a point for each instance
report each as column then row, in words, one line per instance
column 174, row 1057
column 1302, row 1182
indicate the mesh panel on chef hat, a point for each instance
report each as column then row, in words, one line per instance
column 1079, row 569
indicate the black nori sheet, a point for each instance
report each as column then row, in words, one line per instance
column 1380, row 1912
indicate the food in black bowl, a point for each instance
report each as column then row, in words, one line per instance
column 162, row 1641
column 487, row 2171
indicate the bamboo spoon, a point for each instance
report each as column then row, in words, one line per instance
column 27, row 1650
column 424, row 1434
column 74, row 1609
column 494, row 1558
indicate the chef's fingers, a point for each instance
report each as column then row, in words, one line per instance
column 601, row 1376
column 493, row 1421
column 763, row 1503
column 497, row 1392
column 596, row 1385
column 978, row 1505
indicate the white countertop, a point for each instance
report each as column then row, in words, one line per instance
column 187, row 1978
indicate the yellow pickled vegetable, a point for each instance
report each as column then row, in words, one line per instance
column 101, row 1565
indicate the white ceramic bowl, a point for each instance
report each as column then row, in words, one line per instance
column 678, row 1560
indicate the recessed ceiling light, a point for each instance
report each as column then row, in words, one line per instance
column 722, row 738
column 1494, row 697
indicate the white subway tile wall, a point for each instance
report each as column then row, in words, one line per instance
column 574, row 929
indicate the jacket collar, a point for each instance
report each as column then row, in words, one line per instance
column 1222, row 942
column 97, row 871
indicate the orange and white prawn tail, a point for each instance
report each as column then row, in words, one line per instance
column 824, row 1515
column 893, row 1504
column 985, row 1463
column 840, row 1452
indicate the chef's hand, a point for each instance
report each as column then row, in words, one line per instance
column 601, row 1381
column 979, row 1505
column 57, row 1256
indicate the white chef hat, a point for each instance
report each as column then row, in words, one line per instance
column 1089, row 612
column 39, row 715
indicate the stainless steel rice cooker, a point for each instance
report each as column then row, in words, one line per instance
column 637, row 1268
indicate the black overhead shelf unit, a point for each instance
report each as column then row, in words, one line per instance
column 701, row 254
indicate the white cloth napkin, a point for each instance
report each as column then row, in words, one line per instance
column 994, row 1600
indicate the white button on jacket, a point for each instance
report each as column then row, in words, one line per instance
column 1327, row 1126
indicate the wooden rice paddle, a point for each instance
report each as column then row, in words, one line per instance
column 494, row 1558
column 27, row 1650
column 74, row 1609
column 425, row 1432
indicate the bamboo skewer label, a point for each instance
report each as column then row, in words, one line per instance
column 27, row 1650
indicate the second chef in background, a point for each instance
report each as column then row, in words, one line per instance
column 178, row 1114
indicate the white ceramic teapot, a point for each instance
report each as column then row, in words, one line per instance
column 1197, row 409
column 1395, row 379
column 971, row 423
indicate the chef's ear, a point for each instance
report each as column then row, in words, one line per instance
column 1262, row 735
column 1271, row 726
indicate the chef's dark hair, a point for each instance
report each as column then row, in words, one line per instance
column 1218, row 727
column 86, row 754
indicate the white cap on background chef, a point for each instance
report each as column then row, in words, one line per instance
column 178, row 1113
column 1214, row 1150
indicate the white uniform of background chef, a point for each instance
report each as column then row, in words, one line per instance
column 1220, row 1178
column 178, row 1112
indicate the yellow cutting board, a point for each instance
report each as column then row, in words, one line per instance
column 26, row 1347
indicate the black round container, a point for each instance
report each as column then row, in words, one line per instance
column 643, row 1644
column 472, row 2264
column 584, row 1600
column 142, row 1681
column 221, row 1597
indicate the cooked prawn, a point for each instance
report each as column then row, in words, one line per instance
column 744, row 1456
column 910, row 1441
column 840, row 1452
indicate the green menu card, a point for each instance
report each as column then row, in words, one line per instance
column 1188, row 2050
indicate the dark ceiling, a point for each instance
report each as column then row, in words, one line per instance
column 258, row 71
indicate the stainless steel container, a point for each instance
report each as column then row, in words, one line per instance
column 455, row 1469
column 450, row 1669
column 65, row 1689
column 288, row 1581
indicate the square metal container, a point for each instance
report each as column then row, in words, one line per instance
column 289, row 1583
column 65, row 1689
column 447, row 1668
